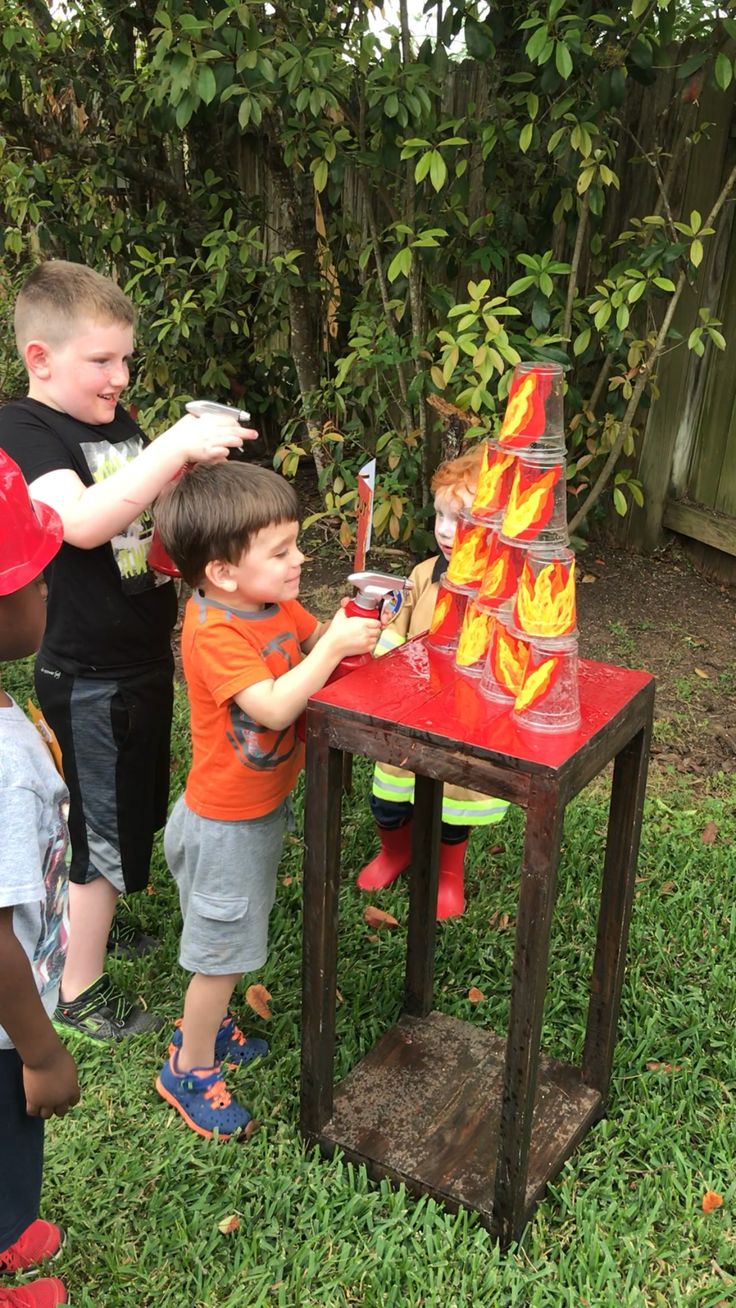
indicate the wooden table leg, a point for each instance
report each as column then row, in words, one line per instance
column 619, row 874
column 544, row 821
column 324, row 773
column 425, row 851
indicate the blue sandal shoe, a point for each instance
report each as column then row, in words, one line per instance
column 204, row 1101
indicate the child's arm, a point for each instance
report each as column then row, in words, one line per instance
column 278, row 702
column 92, row 515
column 49, row 1073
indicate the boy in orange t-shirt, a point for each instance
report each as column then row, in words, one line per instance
column 252, row 656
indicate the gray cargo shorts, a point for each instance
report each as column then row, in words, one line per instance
column 226, row 876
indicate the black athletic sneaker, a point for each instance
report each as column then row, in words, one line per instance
column 102, row 1012
column 126, row 941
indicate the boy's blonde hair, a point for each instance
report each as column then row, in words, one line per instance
column 214, row 510
column 58, row 295
column 456, row 476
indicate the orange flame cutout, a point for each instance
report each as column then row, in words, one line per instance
column 530, row 505
column 468, row 558
column 509, row 658
column 536, row 684
column 441, row 610
column 546, row 606
column 499, row 578
column 493, row 481
column 525, row 417
column 474, row 637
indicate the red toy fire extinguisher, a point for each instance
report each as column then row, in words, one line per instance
column 158, row 559
column 372, row 589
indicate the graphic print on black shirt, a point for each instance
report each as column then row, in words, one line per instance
column 108, row 614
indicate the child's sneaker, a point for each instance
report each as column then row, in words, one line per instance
column 204, row 1101
column 231, row 1046
column 39, row 1241
column 102, row 1012
column 39, row 1294
column 126, row 941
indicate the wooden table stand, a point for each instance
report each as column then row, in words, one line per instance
column 445, row 1106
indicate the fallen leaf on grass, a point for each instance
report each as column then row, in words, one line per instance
column 258, row 998
column 286, row 881
column 588, row 578
column 497, row 849
column 229, row 1224
column 654, row 1066
column 475, row 995
column 373, row 938
column 666, row 887
column 375, row 917
column 501, row 921
column 700, row 672
column 711, row 1201
column 709, row 833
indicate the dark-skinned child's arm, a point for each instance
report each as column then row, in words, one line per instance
column 49, row 1071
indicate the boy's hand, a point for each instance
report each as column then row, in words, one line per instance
column 352, row 635
column 208, row 439
column 52, row 1087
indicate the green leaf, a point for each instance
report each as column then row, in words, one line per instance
column 696, row 253
column 437, row 170
column 619, row 502
column 581, row 342
column 525, row 137
column 401, row 263
column 664, row 283
column 391, row 105
column 320, row 173
column 638, row 7
column 563, row 59
column 206, row 84
column 723, row 71
column 718, row 340
column 521, row 284
column 422, row 166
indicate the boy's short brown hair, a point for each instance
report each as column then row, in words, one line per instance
column 458, row 475
column 58, row 294
column 214, row 510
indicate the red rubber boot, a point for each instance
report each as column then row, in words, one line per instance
column 451, row 888
column 394, row 858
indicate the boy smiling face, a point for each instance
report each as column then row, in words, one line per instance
column 267, row 572
column 84, row 374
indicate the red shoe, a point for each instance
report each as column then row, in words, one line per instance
column 451, row 888
column 39, row 1241
column 38, row 1294
column 394, row 858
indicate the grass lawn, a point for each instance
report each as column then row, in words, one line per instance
column 141, row 1197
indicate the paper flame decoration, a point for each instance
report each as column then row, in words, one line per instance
column 475, row 637
column 509, row 657
column 537, row 684
column 545, row 604
column 468, row 558
column 502, row 571
column 447, row 618
column 531, row 501
column 493, row 482
column 525, row 418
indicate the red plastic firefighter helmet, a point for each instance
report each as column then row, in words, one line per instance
column 30, row 532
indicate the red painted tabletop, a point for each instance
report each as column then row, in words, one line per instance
column 421, row 692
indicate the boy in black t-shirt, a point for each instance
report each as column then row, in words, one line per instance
column 104, row 673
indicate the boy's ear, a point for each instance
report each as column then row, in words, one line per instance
column 220, row 573
column 37, row 359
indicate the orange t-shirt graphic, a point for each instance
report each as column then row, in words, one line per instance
column 240, row 769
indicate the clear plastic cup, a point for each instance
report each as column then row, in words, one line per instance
column 508, row 654
column 474, row 639
column 447, row 619
column 494, row 483
column 501, row 577
column 469, row 552
column 533, row 418
column 545, row 597
column 549, row 699
column 537, row 509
